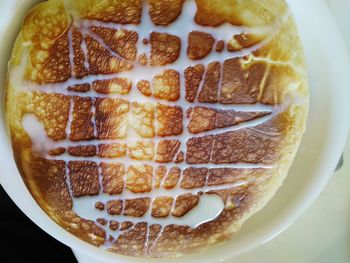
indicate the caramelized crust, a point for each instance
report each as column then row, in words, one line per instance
column 139, row 178
column 120, row 12
column 79, row 88
column 113, row 225
column 199, row 45
column 184, row 203
column 141, row 119
column 164, row 12
column 199, row 149
column 123, row 42
column 141, row 150
column 49, row 54
column 169, row 120
column 52, row 65
column 112, row 150
column 165, row 48
column 82, row 150
column 220, row 46
column 171, row 178
column 160, row 173
column 126, row 225
column 100, row 206
column 206, row 119
column 249, row 145
column 221, row 176
column 248, row 13
column 135, row 238
column 112, row 177
column 82, row 127
column 228, row 118
column 194, row 177
column 243, row 86
column 166, row 86
column 45, row 107
column 161, row 206
column 144, row 87
column 83, row 177
column 79, row 69
column 112, row 86
column 101, row 61
column 136, row 207
column 241, row 41
column 166, row 150
column 202, row 119
column 114, row 207
column 180, row 157
column 193, row 77
column 57, row 151
column 111, row 118
column 210, row 88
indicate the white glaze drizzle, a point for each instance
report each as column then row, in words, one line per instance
column 85, row 52
column 70, row 119
column 71, row 52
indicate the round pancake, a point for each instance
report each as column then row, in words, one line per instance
column 149, row 128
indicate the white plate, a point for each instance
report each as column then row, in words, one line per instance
column 341, row 9
column 321, row 147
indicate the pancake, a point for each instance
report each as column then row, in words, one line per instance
column 156, row 128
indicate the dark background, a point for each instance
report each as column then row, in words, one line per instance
column 22, row 241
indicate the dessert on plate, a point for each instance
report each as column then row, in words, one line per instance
column 156, row 128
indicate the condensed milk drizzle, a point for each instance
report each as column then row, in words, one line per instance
column 85, row 52
column 200, row 214
column 68, row 181
column 70, row 117
column 71, row 52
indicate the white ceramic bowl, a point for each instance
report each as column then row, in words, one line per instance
column 323, row 142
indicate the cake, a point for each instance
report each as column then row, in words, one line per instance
column 156, row 128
